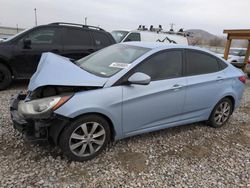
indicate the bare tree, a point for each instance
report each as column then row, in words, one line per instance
column 216, row 42
column 195, row 41
column 244, row 44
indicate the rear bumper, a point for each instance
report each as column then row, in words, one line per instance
column 36, row 129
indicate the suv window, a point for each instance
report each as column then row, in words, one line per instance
column 42, row 36
column 133, row 37
column 163, row 65
column 101, row 39
column 242, row 53
column 200, row 63
column 76, row 36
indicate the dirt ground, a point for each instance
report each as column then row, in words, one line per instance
column 187, row 156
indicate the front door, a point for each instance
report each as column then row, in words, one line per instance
column 27, row 57
column 155, row 106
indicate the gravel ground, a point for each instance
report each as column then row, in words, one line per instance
column 187, row 156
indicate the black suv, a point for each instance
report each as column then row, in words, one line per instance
column 20, row 55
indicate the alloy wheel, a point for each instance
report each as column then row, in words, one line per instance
column 87, row 139
column 222, row 113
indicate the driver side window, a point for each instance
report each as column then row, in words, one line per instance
column 242, row 53
column 163, row 65
column 42, row 36
column 133, row 37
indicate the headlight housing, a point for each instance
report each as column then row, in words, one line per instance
column 41, row 108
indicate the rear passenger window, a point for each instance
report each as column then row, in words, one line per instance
column 133, row 37
column 77, row 37
column 162, row 66
column 222, row 64
column 101, row 39
column 200, row 63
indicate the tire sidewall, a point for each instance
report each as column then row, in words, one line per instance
column 7, row 77
column 68, row 130
column 211, row 118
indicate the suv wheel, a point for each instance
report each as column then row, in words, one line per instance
column 5, row 77
column 85, row 138
column 221, row 113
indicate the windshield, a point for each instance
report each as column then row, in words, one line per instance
column 111, row 60
column 237, row 52
column 119, row 35
column 14, row 36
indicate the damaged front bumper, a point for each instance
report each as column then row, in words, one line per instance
column 36, row 129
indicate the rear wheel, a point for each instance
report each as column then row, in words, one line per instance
column 5, row 77
column 85, row 138
column 221, row 113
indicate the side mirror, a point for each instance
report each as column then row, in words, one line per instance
column 26, row 43
column 139, row 78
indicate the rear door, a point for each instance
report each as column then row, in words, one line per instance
column 77, row 43
column 101, row 39
column 154, row 106
column 204, row 84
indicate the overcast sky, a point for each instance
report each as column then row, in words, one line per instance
column 210, row 15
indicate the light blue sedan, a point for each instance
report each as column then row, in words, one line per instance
column 124, row 90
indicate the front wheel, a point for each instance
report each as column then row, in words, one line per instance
column 221, row 113
column 5, row 77
column 85, row 138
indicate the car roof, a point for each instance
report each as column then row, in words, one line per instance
column 73, row 25
column 161, row 45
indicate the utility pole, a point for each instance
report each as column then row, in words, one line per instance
column 85, row 20
column 171, row 26
column 35, row 17
column 16, row 28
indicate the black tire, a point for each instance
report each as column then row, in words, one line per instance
column 65, row 140
column 214, row 115
column 248, row 75
column 5, row 77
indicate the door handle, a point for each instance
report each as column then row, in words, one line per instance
column 176, row 86
column 219, row 78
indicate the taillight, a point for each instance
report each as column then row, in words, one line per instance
column 248, row 61
column 243, row 79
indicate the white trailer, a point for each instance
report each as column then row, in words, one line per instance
column 152, row 35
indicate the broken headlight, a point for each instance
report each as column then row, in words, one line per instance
column 41, row 108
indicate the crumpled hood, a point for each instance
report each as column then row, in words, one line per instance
column 60, row 71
